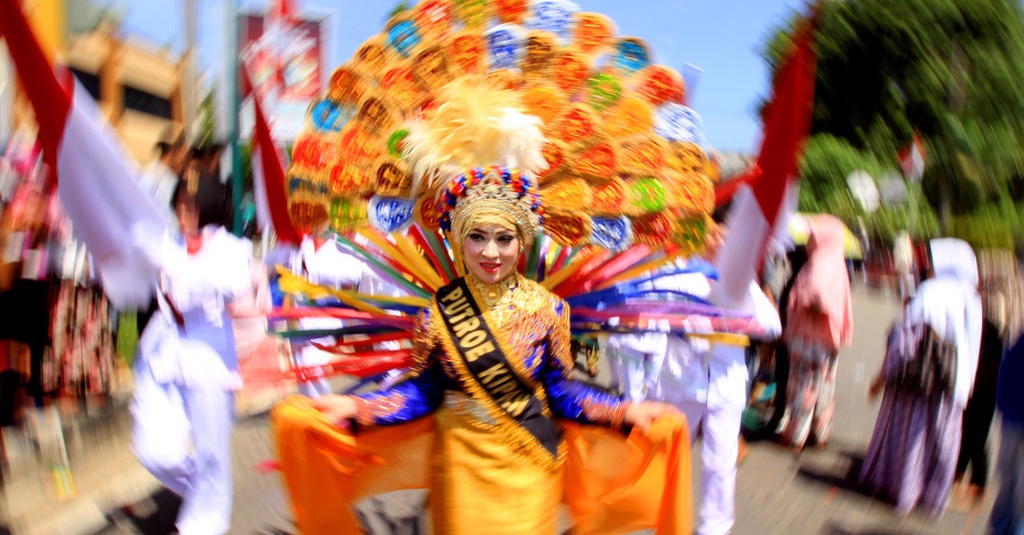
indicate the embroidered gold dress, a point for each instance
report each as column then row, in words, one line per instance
column 487, row 469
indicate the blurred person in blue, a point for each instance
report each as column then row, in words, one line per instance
column 187, row 368
column 926, row 377
column 1008, row 510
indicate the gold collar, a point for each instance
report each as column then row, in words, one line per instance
column 491, row 294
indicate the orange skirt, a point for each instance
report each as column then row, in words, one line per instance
column 611, row 483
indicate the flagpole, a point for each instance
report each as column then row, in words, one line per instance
column 236, row 156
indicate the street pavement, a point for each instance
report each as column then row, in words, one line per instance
column 778, row 491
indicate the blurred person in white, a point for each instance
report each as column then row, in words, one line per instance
column 705, row 377
column 927, row 376
column 321, row 261
column 903, row 262
column 187, row 367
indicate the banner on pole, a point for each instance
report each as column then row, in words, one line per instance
column 286, row 58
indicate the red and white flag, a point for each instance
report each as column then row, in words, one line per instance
column 114, row 217
column 912, row 158
column 268, row 174
column 762, row 205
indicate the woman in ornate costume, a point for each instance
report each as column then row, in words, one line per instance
column 492, row 356
column 491, row 352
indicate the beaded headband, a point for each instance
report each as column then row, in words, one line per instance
column 492, row 192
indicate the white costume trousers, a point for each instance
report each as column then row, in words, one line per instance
column 200, row 474
column 719, row 418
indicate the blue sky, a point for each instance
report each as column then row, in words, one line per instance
column 722, row 37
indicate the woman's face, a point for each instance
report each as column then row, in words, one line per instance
column 491, row 252
column 188, row 216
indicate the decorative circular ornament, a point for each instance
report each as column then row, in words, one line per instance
column 570, row 71
column 679, row 123
column 375, row 116
column 347, row 213
column 400, row 84
column 393, row 178
column 428, row 213
column 371, row 58
column 597, row 162
column 605, row 90
column 466, row 52
column 644, row 155
column 689, row 158
column 395, row 142
column 555, row 16
column 403, row 34
column 554, row 154
column 389, row 214
column 567, row 195
column 608, row 198
column 330, row 117
column 648, row 195
column 504, row 46
column 612, row 233
column 631, row 55
column 358, row 145
column 567, row 229
column 575, row 126
column 305, row 215
column 652, row 229
column 431, row 68
column 691, row 234
column 592, row 32
column 473, row 13
column 540, row 49
column 346, row 86
column 660, row 84
column 347, row 179
column 544, row 101
column 513, row 11
column 696, row 194
column 310, row 148
column 631, row 116
column 435, row 18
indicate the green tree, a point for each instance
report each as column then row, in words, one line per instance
column 953, row 70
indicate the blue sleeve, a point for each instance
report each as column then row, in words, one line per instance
column 411, row 398
column 569, row 398
column 419, row 393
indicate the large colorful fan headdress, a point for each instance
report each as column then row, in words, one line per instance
column 537, row 87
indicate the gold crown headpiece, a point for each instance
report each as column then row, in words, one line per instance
column 496, row 192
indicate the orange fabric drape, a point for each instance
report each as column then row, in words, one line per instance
column 613, row 484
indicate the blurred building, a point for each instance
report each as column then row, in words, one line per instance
column 137, row 85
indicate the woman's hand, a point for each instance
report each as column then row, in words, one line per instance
column 642, row 415
column 338, row 409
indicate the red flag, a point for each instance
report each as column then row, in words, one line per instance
column 118, row 222
column 758, row 209
column 268, row 176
